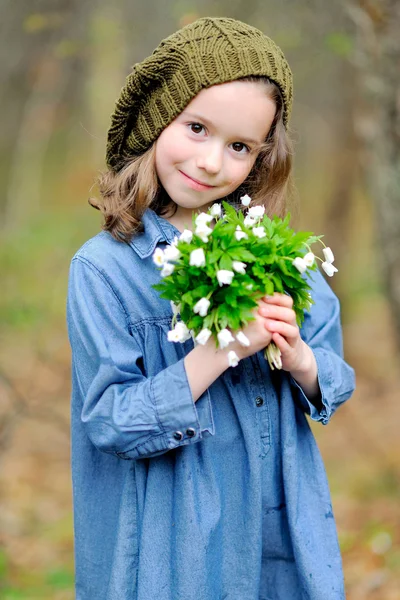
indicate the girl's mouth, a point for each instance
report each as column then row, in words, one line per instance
column 195, row 184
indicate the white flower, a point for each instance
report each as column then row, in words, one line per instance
column 233, row 359
column 216, row 210
column 203, row 336
column 175, row 241
column 186, row 236
column 328, row 255
column 225, row 338
column 249, row 221
column 197, row 258
column 240, row 234
column 167, row 269
column 203, row 231
column 203, row 218
column 173, row 335
column 242, row 339
column 180, row 333
column 183, row 331
column 171, row 253
column 245, row 200
column 256, row 211
column 239, row 267
column 300, row 264
column 201, row 307
column 158, row 257
column 249, row 287
column 175, row 308
column 225, row 277
column 329, row 268
column 259, row 232
column 309, row 259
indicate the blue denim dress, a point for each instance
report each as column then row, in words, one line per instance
column 222, row 499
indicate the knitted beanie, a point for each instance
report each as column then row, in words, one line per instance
column 207, row 52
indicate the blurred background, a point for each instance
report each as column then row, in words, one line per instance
column 63, row 64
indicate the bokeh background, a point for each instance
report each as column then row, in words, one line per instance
column 63, row 63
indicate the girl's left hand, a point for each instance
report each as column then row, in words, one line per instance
column 281, row 322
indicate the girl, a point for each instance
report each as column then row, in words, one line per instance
column 194, row 481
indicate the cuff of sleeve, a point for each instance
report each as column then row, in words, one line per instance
column 182, row 420
column 325, row 374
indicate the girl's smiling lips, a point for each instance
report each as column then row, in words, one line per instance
column 195, row 183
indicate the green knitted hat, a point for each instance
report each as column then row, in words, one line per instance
column 204, row 53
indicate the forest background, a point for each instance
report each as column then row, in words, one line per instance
column 63, row 63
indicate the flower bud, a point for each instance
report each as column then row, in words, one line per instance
column 245, row 200
column 201, row 307
column 203, row 336
column 225, row 338
column 233, row 359
column 328, row 255
column 242, row 339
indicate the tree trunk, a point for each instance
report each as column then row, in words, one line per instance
column 378, row 125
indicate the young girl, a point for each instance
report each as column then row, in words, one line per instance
column 192, row 480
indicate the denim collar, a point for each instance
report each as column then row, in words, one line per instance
column 156, row 229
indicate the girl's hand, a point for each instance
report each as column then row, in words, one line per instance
column 280, row 321
column 257, row 334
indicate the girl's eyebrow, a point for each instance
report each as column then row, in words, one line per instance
column 208, row 123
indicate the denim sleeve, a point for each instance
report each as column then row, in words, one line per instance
column 123, row 412
column 322, row 331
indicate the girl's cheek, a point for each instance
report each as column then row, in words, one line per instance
column 239, row 171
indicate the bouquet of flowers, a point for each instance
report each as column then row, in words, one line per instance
column 215, row 276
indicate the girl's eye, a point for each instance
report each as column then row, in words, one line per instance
column 196, row 127
column 239, row 147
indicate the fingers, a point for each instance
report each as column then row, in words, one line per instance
column 280, row 313
column 279, row 299
column 282, row 344
column 288, row 331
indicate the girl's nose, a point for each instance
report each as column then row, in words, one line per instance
column 211, row 159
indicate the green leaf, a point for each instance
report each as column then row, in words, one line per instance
column 242, row 254
column 188, row 297
column 225, row 262
column 214, row 256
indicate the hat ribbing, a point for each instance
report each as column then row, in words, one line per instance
column 205, row 53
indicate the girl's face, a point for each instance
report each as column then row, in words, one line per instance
column 210, row 148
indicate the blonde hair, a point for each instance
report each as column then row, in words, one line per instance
column 126, row 194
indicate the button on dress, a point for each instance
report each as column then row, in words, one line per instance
column 225, row 498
